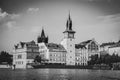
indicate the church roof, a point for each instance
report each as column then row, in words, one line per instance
column 42, row 34
column 69, row 25
column 82, row 44
column 53, row 47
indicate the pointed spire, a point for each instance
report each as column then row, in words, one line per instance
column 69, row 15
column 42, row 33
column 69, row 23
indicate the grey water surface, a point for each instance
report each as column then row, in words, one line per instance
column 59, row 74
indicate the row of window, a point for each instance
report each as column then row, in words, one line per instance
column 63, row 55
column 57, row 59
column 19, row 62
column 81, row 59
column 43, row 51
column 81, row 63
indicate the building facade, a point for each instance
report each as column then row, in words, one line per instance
column 85, row 50
column 53, row 53
column 24, row 54
column 81, row 55
column 57, row 53
column 115, row 49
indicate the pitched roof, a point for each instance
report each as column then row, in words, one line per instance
column 115, row 45
column 77, row 46
column 55, row 47
column 22, row 44
column 82, row 44
column 107, row 44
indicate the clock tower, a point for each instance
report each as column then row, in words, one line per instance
column 69, row 42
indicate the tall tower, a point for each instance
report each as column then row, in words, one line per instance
column 42, row 38
column 69, row 42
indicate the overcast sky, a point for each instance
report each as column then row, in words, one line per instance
column 22, row 20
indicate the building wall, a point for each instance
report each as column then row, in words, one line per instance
column 81, row 56
column 93, row 48
column 24, row 55
column 43, row 50
column 114, row 50
column 19, row 58
column 57, row 57
column 69, row 45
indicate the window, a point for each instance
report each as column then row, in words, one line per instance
column 93, row 47
column 19, row 56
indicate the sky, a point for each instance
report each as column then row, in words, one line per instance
column 23, row 20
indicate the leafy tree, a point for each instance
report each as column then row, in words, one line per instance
column 5, row 57
column 104, row 59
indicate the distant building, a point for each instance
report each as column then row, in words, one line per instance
column 115, row 49
column 105, row 46
column 52, row 53
column 85, row 50
column 42, row 38
column 110, row 48
column 24, row 54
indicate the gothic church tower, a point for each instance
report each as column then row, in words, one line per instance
column 42, row 38
column 69, row 42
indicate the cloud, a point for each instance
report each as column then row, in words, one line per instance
column 32, row 10
column 115, row 18
column 3, row 14
column 11, row 24
column 7, row 20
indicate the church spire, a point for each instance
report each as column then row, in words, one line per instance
column 42, row 38
column 43, row 33
column 69, row 23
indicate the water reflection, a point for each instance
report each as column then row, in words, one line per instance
column 59, row 74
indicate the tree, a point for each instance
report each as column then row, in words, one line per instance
column 37, row 59
column 5, row 57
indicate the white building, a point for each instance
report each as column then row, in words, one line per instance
column 53, row 53
column 105, row 46
column 69, row 43
column 24, row 54
column 115, row 49
column 81, row 55
column 43, row 50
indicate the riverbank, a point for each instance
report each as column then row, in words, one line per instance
column 36, row 66
column 4, row 66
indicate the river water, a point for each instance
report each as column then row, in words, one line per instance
column 59, row 74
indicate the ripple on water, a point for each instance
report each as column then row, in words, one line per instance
column 59, row 74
